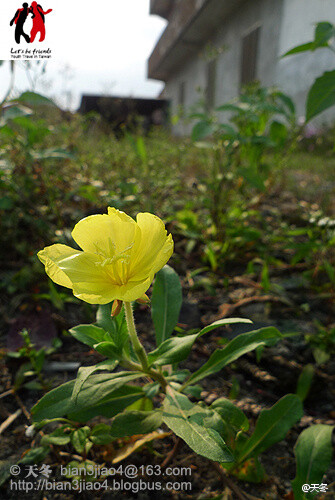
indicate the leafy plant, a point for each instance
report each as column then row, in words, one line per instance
column 321, row 95
column 271, row 427
column 34, row 366
column 260, row 121
column 322, row 343
column 217, row 432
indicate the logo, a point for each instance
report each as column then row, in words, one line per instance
column 38, row 17
column 28, row 29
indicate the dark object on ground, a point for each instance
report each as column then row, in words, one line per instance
column 127, row 112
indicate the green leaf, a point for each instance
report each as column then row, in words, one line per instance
column 289, row 106
column 194, row 391
column 35, row 455
column 101, row 388
column 251, row 471
column 130, row 423
column 187, row 421
column 174, row 350
column 231, row 414
column 272, row 426
column 223, row 322
column 324, row 31
column 60, row 437
column 313, row 452
column 143, row 404
column 34, row 99
column 79, row 438
column 234, row 349
column 101, row 434
column 119, row 400
column 321, row 95
column 278, row 133
column 86, row 371
column 166, row 302
column 54, row 403
column 304, row 47
column 236, row 108
column 253, row 177
column 88, row 334
column 6, row 203
column 116, row 326
column 305, row 381
column 108, row 349
column 201, row 130
column 98, row 396
column 228, row 130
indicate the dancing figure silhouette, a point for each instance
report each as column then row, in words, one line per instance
column 19, row 19
column 38, row 21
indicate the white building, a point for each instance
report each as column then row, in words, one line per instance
column 248, row 38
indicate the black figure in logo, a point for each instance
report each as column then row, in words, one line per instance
column 19, row 19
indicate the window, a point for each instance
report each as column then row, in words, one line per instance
column 211, row 84
column 181, row 96
column 249, row 56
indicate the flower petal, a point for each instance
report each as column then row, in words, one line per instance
column 104, row 294
column 90, row 280
column 164, row 255
column 106, row 235
column 155, row 247
column 134, row 289
column 51, row 257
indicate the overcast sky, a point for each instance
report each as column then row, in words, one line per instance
column 98, row 47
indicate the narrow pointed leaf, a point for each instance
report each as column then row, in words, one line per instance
column 231, row 414
column 175, row 349
column 272, row 426
column 223, row 322
column 88, row 334
column 321, row 96
column 101, row 394
column 172, row 350
column 165, row 303
column 234, row 349
column 201, row 130
column 313, row 452
column 34, row 99
column 86, row 371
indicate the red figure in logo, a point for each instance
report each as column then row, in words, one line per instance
column 38, row 21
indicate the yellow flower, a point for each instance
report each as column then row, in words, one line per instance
column 119, row 259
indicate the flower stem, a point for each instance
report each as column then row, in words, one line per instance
column 140, row 351
column 138, row 347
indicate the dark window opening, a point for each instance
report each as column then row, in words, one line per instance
column 181, row 97
column 211, row 84
column 249, row 56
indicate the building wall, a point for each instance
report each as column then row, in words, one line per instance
column 264, row 13
column 295, row 74
column 284, row 24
